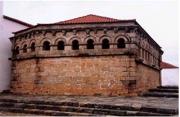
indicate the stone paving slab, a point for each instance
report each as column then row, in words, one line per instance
column 15, row 114
column 158, row 102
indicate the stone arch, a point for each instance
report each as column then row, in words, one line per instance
column 74, row 38
column 60, row 45
column 45, row 39
column 25, row 48
column 90, row 37
column 22, row 44
column 17, row 44
column 32, row 41
column 90, row 44
column 16, row 50
column 105, row 37
column 59, row 39
column 46, row 45
column 121, row 43
column 32, row 45
column 126, row 38
column 105, row 43
column 75, row 44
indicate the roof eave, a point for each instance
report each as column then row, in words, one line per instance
column 17, row 21
column 132, row 20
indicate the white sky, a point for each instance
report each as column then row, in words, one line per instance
column 158, row 17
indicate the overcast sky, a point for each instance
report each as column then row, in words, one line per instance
column 158, row 17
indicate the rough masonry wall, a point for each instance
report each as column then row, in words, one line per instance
column 102, row 75
column 127, row 70
column 147, row 78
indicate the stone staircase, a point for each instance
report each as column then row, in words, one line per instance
column 163, row 91
column 52, row 108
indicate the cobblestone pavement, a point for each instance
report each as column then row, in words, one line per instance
column 159, row 102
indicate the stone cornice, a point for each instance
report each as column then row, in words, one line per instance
column 55, row 31
column 73, row 27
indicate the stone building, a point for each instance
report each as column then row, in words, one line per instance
column 88, row 55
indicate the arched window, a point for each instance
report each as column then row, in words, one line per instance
column 33, row 47
column 17, row 50
column 105, row 44
column 90, row 44
column 121, row 43
column 25, row 48
column 46, row 45
column 75, row 45
column 60, row 45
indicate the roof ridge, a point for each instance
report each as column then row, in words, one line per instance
column 79, row 19
column 73, row 18
column 17, row 21
column 103, row 16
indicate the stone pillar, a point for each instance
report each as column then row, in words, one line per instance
column 67, row 47
column 98, row 46
column 111, row 46
column 82, row 47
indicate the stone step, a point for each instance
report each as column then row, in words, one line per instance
column 66, row 109
column 52, row 110
column 43, row 112
column 168, row 87
column 164, row 90
column 77, row 107
column 139, row 113
column 159, row 110
column 161, row 94
column 75, row 104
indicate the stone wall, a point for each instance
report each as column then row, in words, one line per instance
column 147, row 77
column 103, row 75
column 113, row 70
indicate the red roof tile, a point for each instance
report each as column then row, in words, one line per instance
column 165, row 65
column 83, row 20
column 88, row 19
column 17, row 21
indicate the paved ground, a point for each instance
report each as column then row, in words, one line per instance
column 160, row 102
column 14, row 114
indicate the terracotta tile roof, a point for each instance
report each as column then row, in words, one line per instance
column 17, row 21
column 82, row 20
column 88, row 19
column 165, row 65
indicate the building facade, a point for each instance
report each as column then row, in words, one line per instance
column 7, row 26
column 89, row 55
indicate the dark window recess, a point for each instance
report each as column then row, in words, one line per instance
column 46, row 45
column 121, row 43
column 25, row 48
column 60, row 45
column 16, row 50
column 33, row 47
column 90, row 44
column 75, row 45
column 105, row 44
